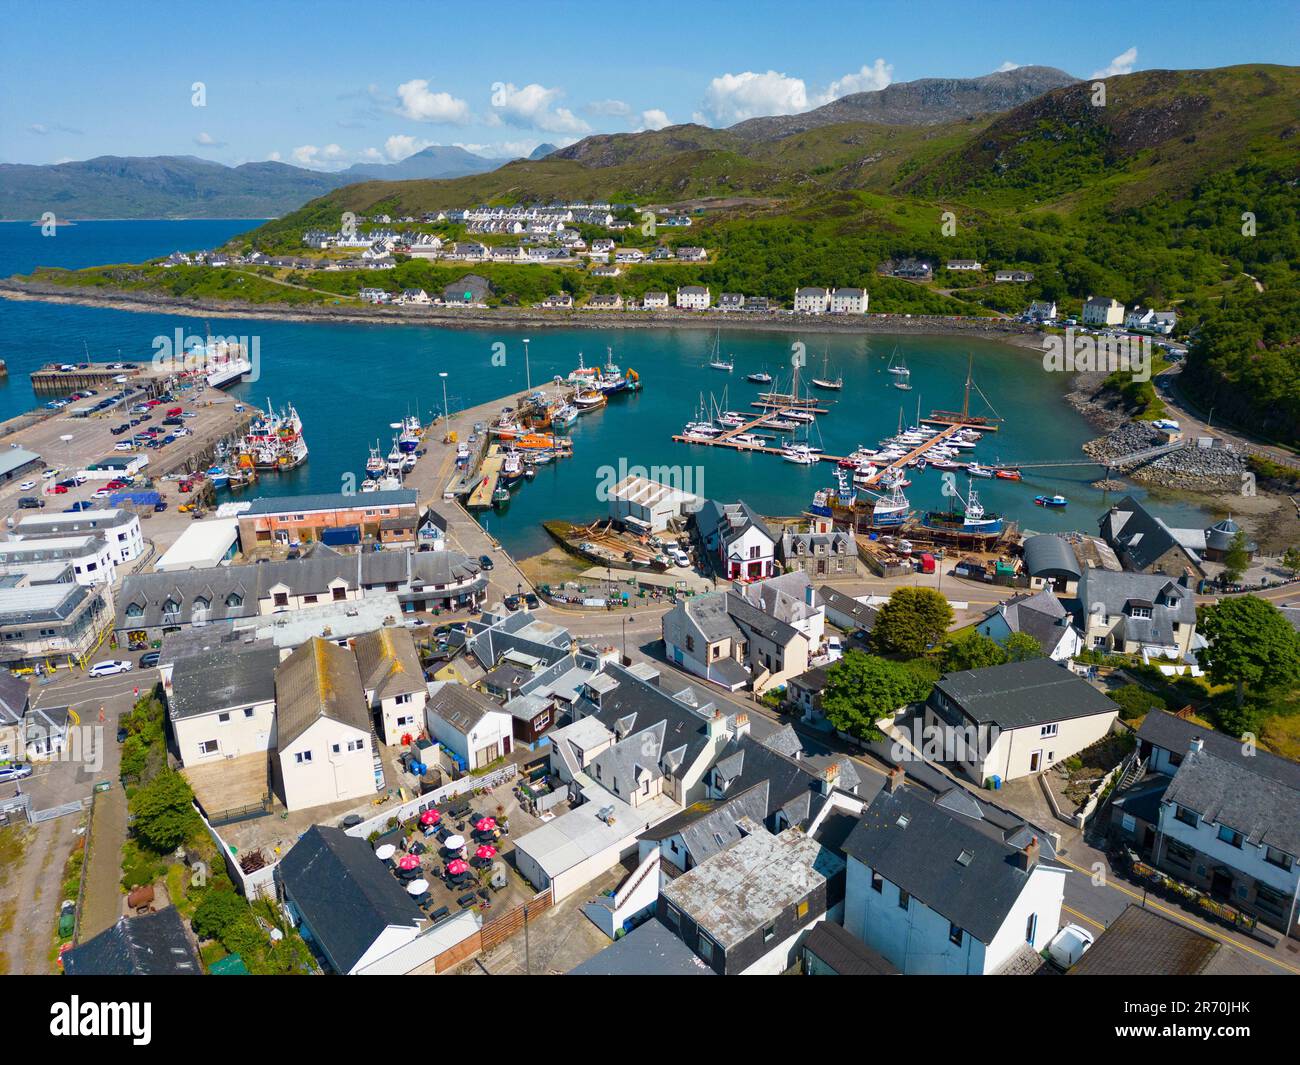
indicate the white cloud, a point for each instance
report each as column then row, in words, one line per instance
column 869, row 79
column 608, row 108
column 420, row 104
column 400, row 145
column 275, row 157
column 1121, row 64
column 531, row 107
column 1008, row 65
column 39, row 128
column 655, row 118
column 310, row 155
column 371, row 155
column 207, row 140
column 736, row 97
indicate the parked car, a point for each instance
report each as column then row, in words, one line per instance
column 532, row 601
column 124, row 445
column 79, row 506
column 109, row 668
column 149, row 659
column 30, row 503
column 1069, row 945
column 512, row 602
column 14, row 771
column 484, row 562
column 26, row 486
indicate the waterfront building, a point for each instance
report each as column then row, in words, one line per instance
column 120, row 528
column 1145, row 544
column 1138, row 613
column 1102, row 311
column 812, row 300
column 654, row 300
column 849, row 301
column 820, row 552
column 693, row 298
column 647, row 506
column 743, row 544
column 387, row 517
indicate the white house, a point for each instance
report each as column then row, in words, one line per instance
column 849, row 301
column 1013, row 720
column 120, row 528
column 812, row 300
column 654, row 300
column 1040, row 616
column 89, row 554
column 693, row 298
column 935, row 894
column 221, row 704
column 468, row 723
column 393, row 680
column 649, row 506
column 1102, row 310
column 969, row 265
column 745, row 547
column 323, row 751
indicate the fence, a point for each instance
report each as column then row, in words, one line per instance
column 495, row 932
column 412, row 807
column 36, row 817
column 255, row 885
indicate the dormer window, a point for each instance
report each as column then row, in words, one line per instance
column 170, row 606
column 234, row 599
column 135, row 610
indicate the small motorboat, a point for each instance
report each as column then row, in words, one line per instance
column 760, row 378
column 1051, row 501
column 974, row 469
column 1008, row 475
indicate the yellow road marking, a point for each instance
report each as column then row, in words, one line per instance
column 1204, row 929
column 1083, row 917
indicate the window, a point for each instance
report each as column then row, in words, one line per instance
column 248, row 711
column 208, row 747
column 1230, row 836
column 354, row 745
column 1031, row 927
column 309, row 599
column 690, row 642
column 340, row 594
column 234, row 599
column 1187, row 817
column 170, row 606
column 955, row 935
column 904, row 899
column 801, row 909
column 302, row 757
column 224, row 718
column 705, row 947
column 672, row 917
column 1179, row 853
column 281, row 599
column 1048, row 730
column 1268, row 899
column 336, row 748
column 877, row 883
column 769, row 933
column 403, row 699
column 1278, row 858
column 135, row 610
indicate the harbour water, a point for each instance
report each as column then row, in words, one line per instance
column 349, row 382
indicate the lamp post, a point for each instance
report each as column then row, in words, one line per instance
column 528, row 374
column 446, row 414
column 625, row 639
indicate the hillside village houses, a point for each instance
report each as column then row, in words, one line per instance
column 1102, row 311
column 693, row 298
column 967, row 265
column 1018, row 276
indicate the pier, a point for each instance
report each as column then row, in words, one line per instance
column 489, row 474
column 51, row 380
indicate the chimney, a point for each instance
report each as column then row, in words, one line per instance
column 740, row 725
column 717, row 724
column 894, row 782
column 1197, row 745
column 830, row 778
column 1028, row 858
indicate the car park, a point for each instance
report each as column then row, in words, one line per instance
column 109, row 668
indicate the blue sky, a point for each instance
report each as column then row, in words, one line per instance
column 327, row 84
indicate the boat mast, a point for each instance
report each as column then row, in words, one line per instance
column 965, row 403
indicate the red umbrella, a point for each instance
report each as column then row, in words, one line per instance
column 430, row 817
column 486, row 824
column 456, row 867
column 485, row 851
column 408, row 861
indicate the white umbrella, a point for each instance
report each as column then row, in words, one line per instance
column 454, row 843
column 417, row 887
column 385, row 852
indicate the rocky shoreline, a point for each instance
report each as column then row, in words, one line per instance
column 996, row 329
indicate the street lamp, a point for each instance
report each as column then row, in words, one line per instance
column 446, row 414
column 528, row 374
column 625, row 639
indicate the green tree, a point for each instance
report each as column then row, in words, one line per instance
column 912, row 621
column 971, row 651
column 1021, row 647
column 1251, row 643
column 861, row 689
column 164, row 812
column 1237, row 559
column 217, row 911
column 1134, row 701
column 1291, row 561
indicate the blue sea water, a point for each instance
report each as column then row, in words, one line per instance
column 350, row 382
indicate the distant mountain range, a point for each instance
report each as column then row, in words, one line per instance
column 183, row 186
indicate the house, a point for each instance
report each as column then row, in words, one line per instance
column 49, row 616
column 604, row 303
column 1218, row 814
column 812, row 300
column 731, row 301
column 221, row 703
column 745, row 909
column 846, row 612
column 688, row 254
column 1136, row 613
column 805, row 690
column 1016, row 276
column 1139, row 318
column 393, row 681
column 740, row 540
column 385, row 517
column 1141, row 942
column 966, row 265
column 89, row 556
column 120, row 529
column 151, row 944
column 914, row 269
column 14, row 693
column 471, row 290
column 700, row 636
column 605, row 271
column 756, row 305
column 849, row 301
column 1144, row 543
column 647, row 506
column 828, row 950
column 323, row 752
column 1041, row 616
column 557, row 301
column 820, row 552
column 1042, row 310
column 629, row 255
column 649, row 949
column 432, row 532
column 349, row 907
column 937, row 889
column 1164, row 322
column 467, row 723
column 1051, row 563
column 652, row 301
column 414, row 295
column 1014, row 720
column 693, row 298
column 1102, row 311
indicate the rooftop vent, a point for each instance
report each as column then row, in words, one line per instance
column 965, row 857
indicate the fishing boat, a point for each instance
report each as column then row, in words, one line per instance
column 890, row 510
column 825, row 381
column 409, row 432
column 501, row 495
column 512, row 468
column 506, row 427
column 821, row 504
column 583, row 377
column 564, row 416
column 974, row 469
column 370, row 485
column 218, row 475
column 375, row 464
column 972, row 519
column 760, row 378
column 589, row 400
column 274, row 440
column 1008, row 475
column 394, row 464
column 609, row 378
column 1051, row 501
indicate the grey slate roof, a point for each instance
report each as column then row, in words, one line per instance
column 459, row 706
column 1143, row 536
column 153, row 944
column 1225, row 792
column 222, row 680
column 712, row 825
column 916, row 844
column 1022, row 693
column 649, row 949
column 791, row 786
column 330, row 501
column 1040, row 615
column 845, row 953
column 1050, row 556
column 345, row 894
column 1173, row 734
column 13, row 697
column 862, row 615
